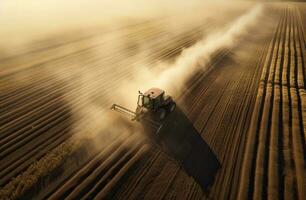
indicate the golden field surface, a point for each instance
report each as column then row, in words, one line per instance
column 239, row 78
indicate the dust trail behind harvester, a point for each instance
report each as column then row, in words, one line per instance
column 173, row 76
column 197, row 57
column 170, row 76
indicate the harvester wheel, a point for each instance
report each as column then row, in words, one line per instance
column 162, row 113
column 172, row 106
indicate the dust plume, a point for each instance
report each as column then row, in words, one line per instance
column 192, row 60
column 170, row 76
column 196, row 57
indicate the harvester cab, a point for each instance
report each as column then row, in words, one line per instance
column 155, row 104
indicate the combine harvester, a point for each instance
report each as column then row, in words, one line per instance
column 152, row 108
column 169, row 128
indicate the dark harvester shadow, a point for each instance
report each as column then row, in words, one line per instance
column 179, row 139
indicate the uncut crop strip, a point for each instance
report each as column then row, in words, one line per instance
column 297, row 109
column 302, row 16
column 280, row 141
column 243, row 126
column 301, row 63
column 230, row 156
column 272, row 51
column 247, row 175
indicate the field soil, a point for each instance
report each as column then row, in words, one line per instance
column 247, row 112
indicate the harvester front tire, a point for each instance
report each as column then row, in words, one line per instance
column 172, row 107
column 162, row 113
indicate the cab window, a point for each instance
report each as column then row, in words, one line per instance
column 140, row 100
column 146, row 101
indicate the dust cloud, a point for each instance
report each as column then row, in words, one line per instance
column 173, row 76
column 170, row 76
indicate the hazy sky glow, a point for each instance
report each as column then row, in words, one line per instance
column 20, row 19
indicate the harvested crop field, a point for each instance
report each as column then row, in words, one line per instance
column 243, row 91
